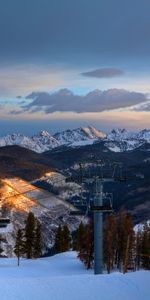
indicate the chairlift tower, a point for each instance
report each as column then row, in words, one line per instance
column 98, row 208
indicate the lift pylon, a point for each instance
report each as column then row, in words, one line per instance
column 99, row 208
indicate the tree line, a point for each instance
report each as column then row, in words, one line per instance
column 123, row 248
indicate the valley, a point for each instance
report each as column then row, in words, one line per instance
column 37, row 182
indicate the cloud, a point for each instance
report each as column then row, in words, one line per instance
column 96, row 101
column 104, row 73
column 83, row 30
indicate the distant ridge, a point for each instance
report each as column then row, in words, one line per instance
column 118, row 140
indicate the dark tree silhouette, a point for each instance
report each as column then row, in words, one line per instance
column 19, row 245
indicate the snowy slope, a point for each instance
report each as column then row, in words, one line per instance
column 20, row 197
column 124, row 145
column 63, row 277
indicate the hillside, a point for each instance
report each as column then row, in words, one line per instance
column 132, row 195
column 18, row 197
column 64, row 277
column 21, row 162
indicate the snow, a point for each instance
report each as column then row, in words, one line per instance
column 49, row 208
column 114, row 148
column 145, row 135
column 44, row 141
column 93, row 132
column 63, row 277
column 119, row 134
column 79, row 135
column 139, row 227
column 82, row 143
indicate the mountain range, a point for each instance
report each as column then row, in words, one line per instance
column 41, row 177
column 118, row 140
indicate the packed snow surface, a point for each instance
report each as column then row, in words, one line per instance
column 63, row 277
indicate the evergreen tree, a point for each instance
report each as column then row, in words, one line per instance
column 145, row 247
column 129, row 236
column 78, row 237
column 62, row 239
column 125, row 241
column 19, row 246
column 58, row 240
column 138, row 245
column 29, row 236
column 66, row 238
column 86, row 253
column 37, row 252
column 110, row 242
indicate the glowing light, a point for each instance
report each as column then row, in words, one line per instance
column 12, row 197
column 49, row 174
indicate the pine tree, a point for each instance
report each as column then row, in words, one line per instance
column 138, row 245
column 129, row 244
column 110, row 242
column 145, row 247
column 86, row 253
column 80, row 237
column 58, row 240
column 125, row 240
column 37, row 251
column 29, row 236
column 19, row 246
column 66, row 238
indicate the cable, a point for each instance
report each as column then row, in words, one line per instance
column 24, row 194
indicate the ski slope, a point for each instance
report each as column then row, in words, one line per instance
column 63, row 277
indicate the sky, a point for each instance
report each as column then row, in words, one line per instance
column 65, row 64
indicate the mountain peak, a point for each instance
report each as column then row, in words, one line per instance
column 43, row 133
column 93, row 133
column 117, row 140
column 119, row 134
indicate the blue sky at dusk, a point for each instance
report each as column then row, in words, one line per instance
column 54, row 55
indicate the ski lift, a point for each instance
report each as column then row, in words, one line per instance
column 107, row 206
column 4, row 222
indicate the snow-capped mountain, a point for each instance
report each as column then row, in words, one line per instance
column 45, row 141
column 120, row 140
column 123, row 134
column 117, row 140
column 79, row 135
column 120, row 134
column 19, row 139
column 41, row 142
column 144, row 135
